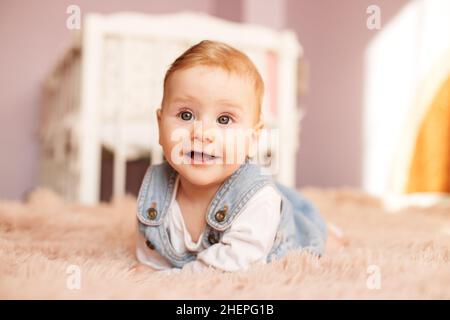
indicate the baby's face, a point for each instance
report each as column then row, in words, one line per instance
column 208, row 124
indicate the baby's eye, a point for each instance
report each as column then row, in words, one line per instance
column 224, row 119
column 186, row 115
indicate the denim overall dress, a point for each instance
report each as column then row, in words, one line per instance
column 300, row 227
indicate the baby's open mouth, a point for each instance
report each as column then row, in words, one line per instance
column 200, row 156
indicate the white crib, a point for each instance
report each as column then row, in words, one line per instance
column 105, row 90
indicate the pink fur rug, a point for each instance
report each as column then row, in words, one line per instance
column 55, row 250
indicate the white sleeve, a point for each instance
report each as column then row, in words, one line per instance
column 248, row 240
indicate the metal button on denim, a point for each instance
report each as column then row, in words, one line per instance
column 212, row 238
column 149, row 245
column 152, row 212
column 220, row 215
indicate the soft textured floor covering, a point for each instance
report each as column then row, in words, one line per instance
column 47, row 245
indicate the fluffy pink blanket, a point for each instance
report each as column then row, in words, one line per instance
column 56, row 250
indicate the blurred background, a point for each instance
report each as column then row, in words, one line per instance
column 372, row 87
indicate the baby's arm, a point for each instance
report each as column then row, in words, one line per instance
column 248, row 240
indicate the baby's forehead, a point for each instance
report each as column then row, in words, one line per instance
column 207, row 80
column 201, row 70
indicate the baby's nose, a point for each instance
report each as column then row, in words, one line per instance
column 204, row 131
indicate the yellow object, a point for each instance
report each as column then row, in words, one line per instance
column 430, row 166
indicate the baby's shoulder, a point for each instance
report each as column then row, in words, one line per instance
column 263, row 208
column 269, row 192
column 266, row 199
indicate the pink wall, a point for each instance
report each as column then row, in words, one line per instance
column 333, row 34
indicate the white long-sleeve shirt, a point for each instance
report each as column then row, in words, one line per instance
column 247, row 241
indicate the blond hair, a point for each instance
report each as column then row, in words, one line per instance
column 218, row 54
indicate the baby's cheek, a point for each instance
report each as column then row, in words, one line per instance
column 236, row 148
column 177, row 137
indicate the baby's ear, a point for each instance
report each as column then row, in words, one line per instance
column 158, row 117
column 260, row 124
column 258, row 127
column 158, row 114
column 255, row 137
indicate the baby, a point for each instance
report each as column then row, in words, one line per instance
column 208, row 205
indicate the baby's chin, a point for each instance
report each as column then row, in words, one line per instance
column 204, row 175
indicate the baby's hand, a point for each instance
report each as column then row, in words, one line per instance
column 336, row 238
column 139, row 268
column 142, row 268
column 170, row 271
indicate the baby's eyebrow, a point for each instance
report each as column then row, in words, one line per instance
column 183, row 99
column 229, row 103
